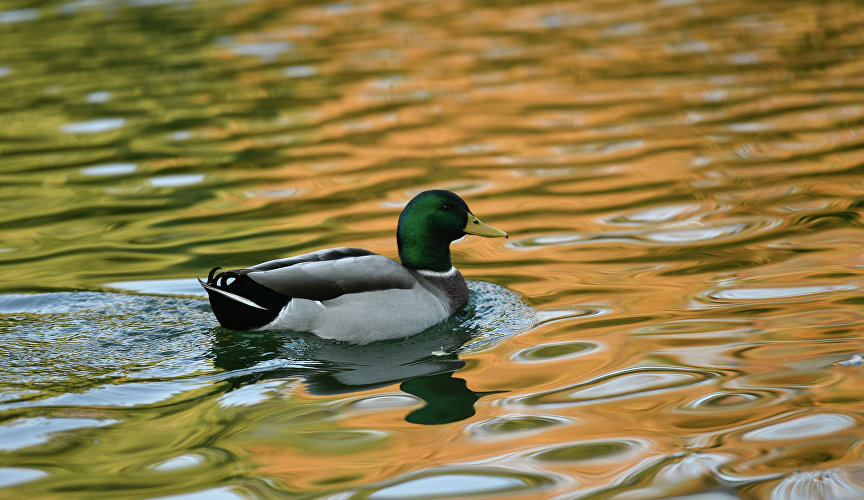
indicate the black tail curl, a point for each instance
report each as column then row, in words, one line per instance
column 210, row 279
column 221, row 280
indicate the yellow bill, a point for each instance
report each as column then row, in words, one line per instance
column 477, row 227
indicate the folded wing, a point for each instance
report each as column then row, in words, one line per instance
column 252, row 297
column 328, row 279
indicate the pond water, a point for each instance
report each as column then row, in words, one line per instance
column 677, row 312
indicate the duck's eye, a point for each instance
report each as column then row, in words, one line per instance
column 445, row 207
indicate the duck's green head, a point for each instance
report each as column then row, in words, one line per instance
column 429, row 223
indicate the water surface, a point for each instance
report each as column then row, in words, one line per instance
column 676, row 313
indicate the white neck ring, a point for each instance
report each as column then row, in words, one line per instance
column 438, row 274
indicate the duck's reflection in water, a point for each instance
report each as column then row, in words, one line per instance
column 423, row 365
column 448, row 398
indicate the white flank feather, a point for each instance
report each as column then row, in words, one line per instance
column 234, row 297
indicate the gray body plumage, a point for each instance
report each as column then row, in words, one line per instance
column 358, row 298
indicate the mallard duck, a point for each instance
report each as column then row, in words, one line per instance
column 354, row 295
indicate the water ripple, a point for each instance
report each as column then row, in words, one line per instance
column 94, row 126
column 804, row 427
column 453, row 481
column 592, row 451
column 632, row 382
column 25, row 432
column 769, row 295
column 670, row 236
column 515, row 426
column 836, row 484
column 556, row 351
